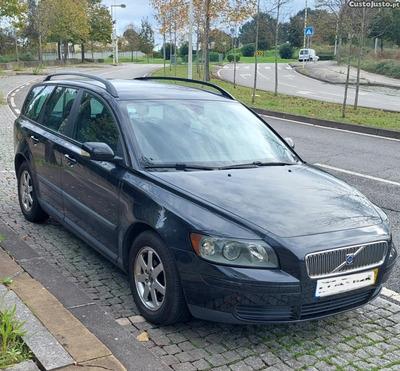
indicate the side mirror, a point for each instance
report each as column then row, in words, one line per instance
column 98, row 151
column 290, row 142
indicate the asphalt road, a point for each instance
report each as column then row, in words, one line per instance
column 292, row 83
column 368, row 163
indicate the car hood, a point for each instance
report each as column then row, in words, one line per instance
column 287, row 201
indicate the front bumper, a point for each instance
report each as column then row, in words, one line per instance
column 243, row 295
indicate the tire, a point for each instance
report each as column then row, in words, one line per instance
column 27, row 196
column 156, row 287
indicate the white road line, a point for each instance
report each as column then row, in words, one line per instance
column 244, row 75
column 17, row 111
column 267, row 67
column 288, row 68
column 227, row 66
column 13, row 95
column 279, row 68
column 291, row 86
column 246, row 67
column 335, row 129
column 12, row 102
column 7, row 171
column 265, row 77
column 358, row 174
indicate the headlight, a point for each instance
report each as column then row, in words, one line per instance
column 392, row 254
column 239, row 253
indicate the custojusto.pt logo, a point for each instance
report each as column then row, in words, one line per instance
column 373, row 4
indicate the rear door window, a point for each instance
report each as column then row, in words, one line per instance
column 35, row 101
column 58, row 109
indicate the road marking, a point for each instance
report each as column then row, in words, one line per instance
column 291, row 86
column 244, row 75
column 17, row 111
column 265, row 77
column 227, row 66
column 336, row 95
column 12, row 102
column 246, row 67
column 335, row 129
column 291, row 77
column 358, row 174
column 305, row 92
column 7, row 171
column 13, row 95
column 288, row 68
column 279, row 68
column 267, row 67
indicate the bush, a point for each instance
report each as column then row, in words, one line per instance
column 326, row 57
column 286, row 51
column 388, row 67
column 231, row 57
column 248, row 50
column 89, row 60
column 157, row 54
column 100, row 60
column 26, row 57
column 214, row 57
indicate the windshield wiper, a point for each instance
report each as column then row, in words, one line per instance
column 255, row 164
column 178, row 166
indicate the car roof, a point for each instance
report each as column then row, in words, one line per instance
column 146, row 90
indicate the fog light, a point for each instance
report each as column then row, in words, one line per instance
column 392, row 254
column 207, row 248
column 231, row 251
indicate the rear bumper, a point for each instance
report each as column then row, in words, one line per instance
column 244, row 296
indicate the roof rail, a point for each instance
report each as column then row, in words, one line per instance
column 110, row 88
column 222, row 91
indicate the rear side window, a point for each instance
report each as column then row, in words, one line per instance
column 35, row 101
column 58, row 109
column 95, row 123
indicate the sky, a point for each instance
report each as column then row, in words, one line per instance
column 136, row 10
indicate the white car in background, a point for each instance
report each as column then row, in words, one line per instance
column 307, row 55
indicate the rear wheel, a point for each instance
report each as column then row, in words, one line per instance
column 155, row 281
column 27, row 196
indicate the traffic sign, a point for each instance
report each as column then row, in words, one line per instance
column 309, row 31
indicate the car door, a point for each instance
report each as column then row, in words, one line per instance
column 91, row 188
column 45, row 139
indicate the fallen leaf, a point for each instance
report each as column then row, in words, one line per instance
column 143, row 337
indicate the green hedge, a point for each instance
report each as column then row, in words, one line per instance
column 387, row 67
column 231, row 57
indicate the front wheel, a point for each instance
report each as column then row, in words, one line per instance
column 27, row 196
column 155, row 281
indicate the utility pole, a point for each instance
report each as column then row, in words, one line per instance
column 256, row 53
column 305, row 37
column 190, row 51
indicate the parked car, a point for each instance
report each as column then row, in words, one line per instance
column 204, row 206
column 308, row 55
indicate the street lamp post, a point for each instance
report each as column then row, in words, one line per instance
column 115, row 37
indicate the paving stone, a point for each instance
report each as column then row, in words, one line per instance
column 186, row 346
column 254, row 362
column 270, row 359
column 240, row 366
column 201, row 365
column 170, row 360
column 172, row 349
column 184, row 357
column 198, row 353
column 184, row 367
column 215, row 349
column 216, row 360
column 231, row 356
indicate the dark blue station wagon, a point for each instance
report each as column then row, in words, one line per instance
column 204, row 206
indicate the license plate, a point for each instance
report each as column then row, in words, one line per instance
column 336, row 285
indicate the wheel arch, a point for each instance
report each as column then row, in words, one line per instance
column 18, row 161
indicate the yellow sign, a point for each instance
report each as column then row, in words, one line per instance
column 151, row 55
column 260, row 54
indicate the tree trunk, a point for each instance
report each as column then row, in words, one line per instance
column 59, row 49
column 206, row 36
column 65, row 50
column 164, row 54
column 359, row 59
column 276, row 47
column 170, row 51
column 346, row 88
column 197, row 56
column 176, row 56
column 234, row 61
column 83, row 52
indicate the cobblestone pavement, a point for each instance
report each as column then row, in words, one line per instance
column 364, row 339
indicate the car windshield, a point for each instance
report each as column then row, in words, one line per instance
column 303, row 51
column 208, row 133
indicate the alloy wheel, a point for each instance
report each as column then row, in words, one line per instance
column 150, row 278
column 26, row 191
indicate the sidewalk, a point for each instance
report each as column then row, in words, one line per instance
column 329, row 71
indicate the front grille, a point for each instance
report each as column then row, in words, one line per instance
column 330, row 306
column 333, row 262
column 258, row 313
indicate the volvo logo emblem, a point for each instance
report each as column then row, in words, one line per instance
column 350, row 259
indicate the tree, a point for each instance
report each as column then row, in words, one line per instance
column 146, row 37
column 100, row 24
column 184, row 49
column 131, row 35
column 65, row 20
column 14, row 9
column 265, row 34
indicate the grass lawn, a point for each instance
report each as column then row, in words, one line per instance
column 301, row 106
column 269, row 57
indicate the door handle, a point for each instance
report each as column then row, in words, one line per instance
column 34, row 140
column 71, row 160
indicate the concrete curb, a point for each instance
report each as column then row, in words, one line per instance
column 371, row 130
column 362, row 83
column 38, row 338
column 132, row 354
